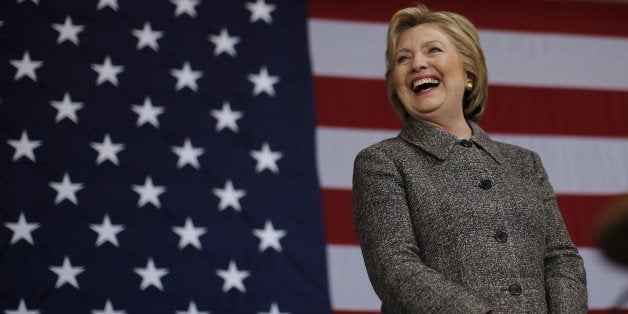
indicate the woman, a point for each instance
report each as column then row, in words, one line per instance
column 448, row 219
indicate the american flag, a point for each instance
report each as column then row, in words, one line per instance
column 558, row 84
column 159, row 156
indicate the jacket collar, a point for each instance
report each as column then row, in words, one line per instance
column 439, row 143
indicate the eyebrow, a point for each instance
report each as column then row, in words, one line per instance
column 402, row 50
column 431, row 42
column 427, row 43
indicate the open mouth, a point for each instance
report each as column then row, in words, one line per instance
column 424, row 84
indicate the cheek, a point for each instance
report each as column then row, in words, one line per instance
column 399, row 79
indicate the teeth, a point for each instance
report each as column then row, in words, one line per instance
column 425, row 80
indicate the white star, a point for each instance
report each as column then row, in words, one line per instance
column 26, row 67
column 33, row 1
column 189, row 234
column 263, row 82
column 185, row 7
column 66, row 273
column 274, row 309
column 107, row 150
column 192, row 310
column 188, row 155
column 224, row 43
column 226, row 117
column 66, row 190
column 68, row 31
column 147, row 113
column 151, row 276
column 266, row 158
column 22, row 230
column 66, row 108
column 107, row 72
column 149, row 193
column 186, row 77
column 113, row 4
column 146, row 37
column 24, row 147
column 107, row 232
column 269, row 237
column 260, row 10
column 233, row 277
column 21, row 309
column 108, row 309
column 229, row 196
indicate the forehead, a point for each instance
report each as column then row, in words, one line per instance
column 421, row 34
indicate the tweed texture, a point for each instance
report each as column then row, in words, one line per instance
column 438, row 237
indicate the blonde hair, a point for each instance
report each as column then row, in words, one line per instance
column 467, row 42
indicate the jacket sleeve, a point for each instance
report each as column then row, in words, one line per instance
column 389, row 247
column 565, row 279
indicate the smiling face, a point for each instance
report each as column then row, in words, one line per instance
column 428, row 75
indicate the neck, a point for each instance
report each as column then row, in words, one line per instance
column 458, row 128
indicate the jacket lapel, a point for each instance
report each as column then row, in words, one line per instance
column 439, row 143
column 429, row 138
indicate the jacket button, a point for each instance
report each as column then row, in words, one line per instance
column 486, row 184
column 466, row 143
column 501, row 236
column 515, row 289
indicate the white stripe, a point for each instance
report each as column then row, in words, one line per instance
column 349, row 285
column 353, row 49
column 347, row 49
column 575, row 165
column 336, row 150
column 351, row 289
column 606, row 280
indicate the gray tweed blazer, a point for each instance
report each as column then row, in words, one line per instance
column 462, row 227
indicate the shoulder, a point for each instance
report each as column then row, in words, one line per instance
column 511, row 151
column 378, row 165
column 389, row 149
column 508, row 153
column 385, row 157
column 519, row 156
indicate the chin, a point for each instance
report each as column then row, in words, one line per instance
column 425, row 107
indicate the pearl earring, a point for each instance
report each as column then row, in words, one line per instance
column 469, row 85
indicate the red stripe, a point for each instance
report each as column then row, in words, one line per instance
column 609, row 311
column 353, row 103
column 556, row 111
column 339, row 227
column 579, row 212
column 361, row 103
column 533, row 15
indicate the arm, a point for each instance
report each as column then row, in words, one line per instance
column 390, row 249
column 565, row 280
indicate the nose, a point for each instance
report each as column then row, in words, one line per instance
column 419, row 63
